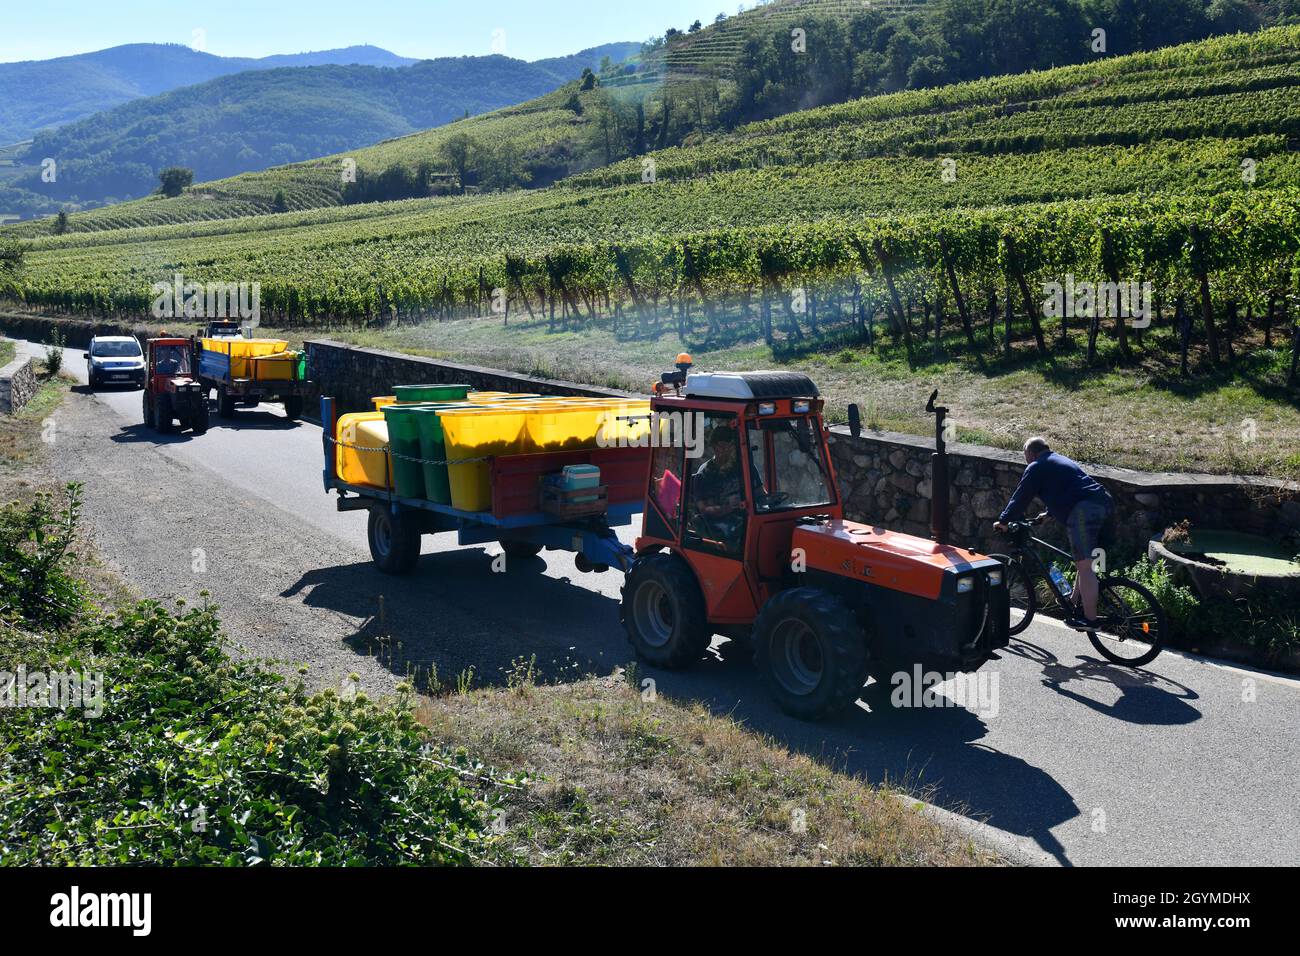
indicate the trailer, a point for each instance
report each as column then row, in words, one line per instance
column 516, row 520
column 241, row 379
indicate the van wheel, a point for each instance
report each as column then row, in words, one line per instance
column 811, row 653
column 394, row 541
column 663, row 612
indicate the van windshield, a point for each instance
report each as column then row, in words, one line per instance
column 115, row 350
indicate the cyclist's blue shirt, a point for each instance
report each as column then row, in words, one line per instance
column 1059, row 483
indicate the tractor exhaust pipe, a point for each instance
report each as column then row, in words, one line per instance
column 939, row 504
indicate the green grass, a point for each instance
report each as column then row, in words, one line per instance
column 7, row 352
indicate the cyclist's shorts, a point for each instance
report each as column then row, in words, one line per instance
column 1084, row 527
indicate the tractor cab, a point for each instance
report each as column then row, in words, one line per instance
column 741, row 461
column 172, row 391
column 744, row 535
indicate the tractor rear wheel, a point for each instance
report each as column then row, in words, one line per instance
column 394, row 541
column 811, row 652
column 663, row 612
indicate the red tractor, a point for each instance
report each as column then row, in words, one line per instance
column 744, row 535
column 172, row 392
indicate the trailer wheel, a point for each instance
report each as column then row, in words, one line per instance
column 811, row 652
column 225, row 403
column 394, row 541
column 293, row 406
column 663, row 612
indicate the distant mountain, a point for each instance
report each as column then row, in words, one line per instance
column 40, row 94
column 269, row 117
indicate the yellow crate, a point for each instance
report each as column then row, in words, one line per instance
column 365, row 430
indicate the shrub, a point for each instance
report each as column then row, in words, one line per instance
column 177, row 754
column 37, row 589
column 54, row 353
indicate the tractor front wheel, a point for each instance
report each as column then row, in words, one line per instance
column 162, row 415
column 663, row 612
column 394, row 541
column 202, row 417
column 811, row 652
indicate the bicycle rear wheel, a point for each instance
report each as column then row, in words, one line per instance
column 1131, row 623
column 1020, row 590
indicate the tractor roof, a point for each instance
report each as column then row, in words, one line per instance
column 746, row 386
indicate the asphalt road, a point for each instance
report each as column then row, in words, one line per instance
column 1188, row 762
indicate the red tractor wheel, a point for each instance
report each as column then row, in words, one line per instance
column 811, row 652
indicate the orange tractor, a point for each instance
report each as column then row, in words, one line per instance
column 172, row 390
column 744, row 535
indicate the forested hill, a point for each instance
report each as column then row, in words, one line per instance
column 259, row 118
column 40, row 94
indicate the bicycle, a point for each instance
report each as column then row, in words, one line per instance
column 1130, row 618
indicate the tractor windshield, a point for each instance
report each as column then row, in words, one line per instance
column 786, row 455
column 172, row 360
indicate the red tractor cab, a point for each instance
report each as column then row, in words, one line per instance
column 744, row 535
column 172, row 391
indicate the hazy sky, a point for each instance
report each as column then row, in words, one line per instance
column 40, row 29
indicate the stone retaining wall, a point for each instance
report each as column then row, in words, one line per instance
column 17, row 384
column 354, row 375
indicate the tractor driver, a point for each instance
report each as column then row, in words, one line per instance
column 717, row 485
column 171, row 360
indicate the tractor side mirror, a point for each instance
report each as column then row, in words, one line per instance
column 855, row 421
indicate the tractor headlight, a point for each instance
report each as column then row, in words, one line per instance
column 995, row 577
column 801, row 406
column 966, row 584
column 767, row 408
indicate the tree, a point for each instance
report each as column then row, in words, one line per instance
column 458, row 151
column 175, row 179
column 588, row 79
column 61, row 222
column 695, row 27
column 1231, row 16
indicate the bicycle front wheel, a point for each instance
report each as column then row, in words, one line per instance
column 1131, row 623
column 1020, row 591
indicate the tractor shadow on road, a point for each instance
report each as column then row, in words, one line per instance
column 246, row 419
column 1145, row 698
column 452, row 614
column 138, row 433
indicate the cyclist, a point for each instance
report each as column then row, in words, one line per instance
column 1076, row 500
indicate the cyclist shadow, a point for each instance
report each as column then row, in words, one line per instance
column 1145, row 697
